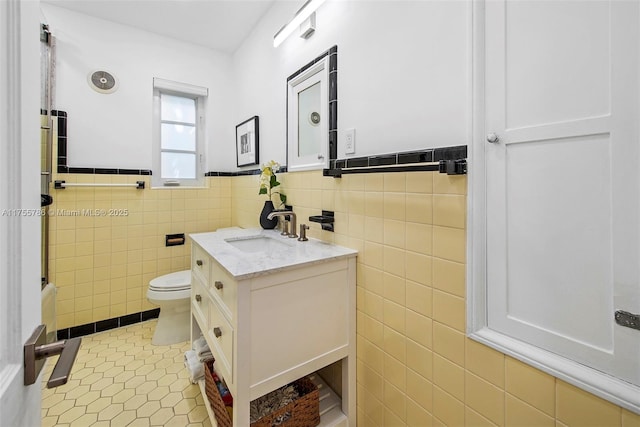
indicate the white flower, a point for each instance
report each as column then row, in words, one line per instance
column 268, row 180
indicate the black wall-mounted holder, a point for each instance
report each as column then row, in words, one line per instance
column 453, row 167
column 326, row 220
column 174, row 239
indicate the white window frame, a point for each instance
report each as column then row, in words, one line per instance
column 199, row 94
column 318, row 73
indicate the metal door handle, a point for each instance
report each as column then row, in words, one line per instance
column 36, row 351
column 628, row 320
column 219, row 285
column 198, row 297
column 217, row 332
column 199, row 262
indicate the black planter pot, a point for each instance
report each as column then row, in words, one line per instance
column 268, row 224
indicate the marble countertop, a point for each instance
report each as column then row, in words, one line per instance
column 261, row 259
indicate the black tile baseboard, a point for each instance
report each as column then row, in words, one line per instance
column 105, row 325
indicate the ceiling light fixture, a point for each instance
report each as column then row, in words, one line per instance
column 305, row 12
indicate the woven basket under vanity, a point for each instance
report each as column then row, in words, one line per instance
column 218, row 406
column 302, row 412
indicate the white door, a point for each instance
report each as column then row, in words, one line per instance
column 563, row 181
column 19, row 204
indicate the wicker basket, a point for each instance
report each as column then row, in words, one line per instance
column 219, row 410
column 303, row 412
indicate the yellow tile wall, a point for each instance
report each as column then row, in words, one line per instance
column 102, row 264
column 415, row 366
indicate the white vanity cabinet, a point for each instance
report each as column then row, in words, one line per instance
column 271, row 318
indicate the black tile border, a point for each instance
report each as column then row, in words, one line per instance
column 64, row 168
column 105, row 325
column 381, row 163
column 63, row 154
column 283, row 169
column 411, row 161
column 415, row 157
column 450, row 153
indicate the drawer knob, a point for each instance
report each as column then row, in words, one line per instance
column 198, row 297
column 217, row 332
column 218, row 285
column 199, row 262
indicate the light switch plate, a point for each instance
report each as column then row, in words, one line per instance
column 350, row 141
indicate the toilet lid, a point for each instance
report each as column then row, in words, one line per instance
column 178, row 281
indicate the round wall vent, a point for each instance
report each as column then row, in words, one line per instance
column 102, row 81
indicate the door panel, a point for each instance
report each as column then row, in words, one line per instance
column 559, row 234
column 557, row 61
column 19, row 206
column 563, row 185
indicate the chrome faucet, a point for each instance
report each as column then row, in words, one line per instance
column 285, row 213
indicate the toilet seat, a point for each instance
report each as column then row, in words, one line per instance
column 172, row 282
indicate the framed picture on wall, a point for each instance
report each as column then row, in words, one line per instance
column 247, row 142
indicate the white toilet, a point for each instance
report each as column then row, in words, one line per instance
column 172, row 292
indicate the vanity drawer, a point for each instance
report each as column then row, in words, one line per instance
column 200, row 262
column 225, row 289
column 220, row 338
column 200, row 301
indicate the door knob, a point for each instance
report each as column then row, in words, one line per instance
column 492, row 138
column 219, row 285
column 36, row 351
column 217, row 332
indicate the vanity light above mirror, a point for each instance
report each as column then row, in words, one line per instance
column 304, row 13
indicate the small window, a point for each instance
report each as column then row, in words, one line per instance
column 178, row 137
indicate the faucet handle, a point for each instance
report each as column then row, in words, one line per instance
column 303, row 233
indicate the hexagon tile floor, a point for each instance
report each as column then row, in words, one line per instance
column 120, row 379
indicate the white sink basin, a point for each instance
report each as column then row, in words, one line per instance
column 257, row 244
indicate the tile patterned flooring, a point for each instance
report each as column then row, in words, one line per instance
column 120, row 379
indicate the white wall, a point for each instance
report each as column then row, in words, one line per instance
column 404, row 73
column 114, row 130
column 403, row 80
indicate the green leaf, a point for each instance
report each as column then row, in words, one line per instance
column 263, row 190
column 283, row 198
column 273, row 182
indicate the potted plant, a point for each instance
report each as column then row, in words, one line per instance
column 268, row 181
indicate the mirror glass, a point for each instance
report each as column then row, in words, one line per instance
column 309, row 118
column 312, row 113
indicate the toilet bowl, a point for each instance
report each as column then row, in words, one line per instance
column 172, row 292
